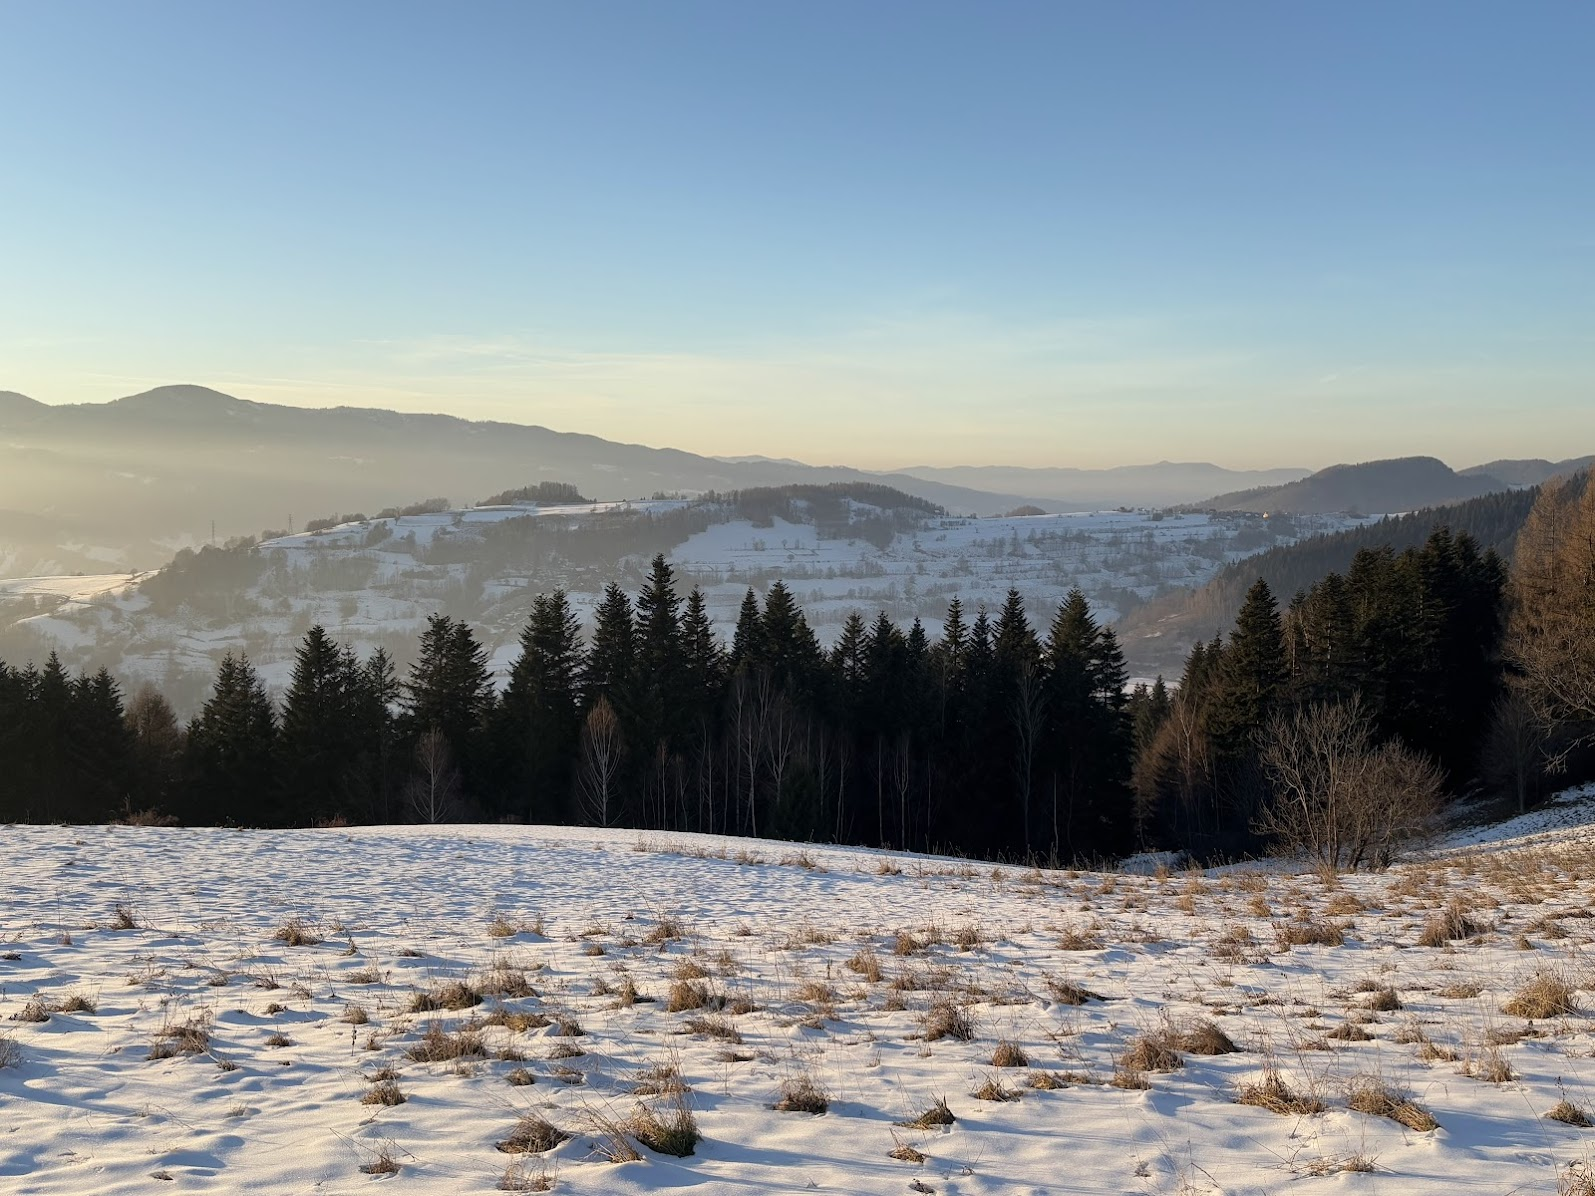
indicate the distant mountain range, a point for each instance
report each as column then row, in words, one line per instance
column 99, row 486
column 96, row 486
column 1167, row 483
column 1386, row 487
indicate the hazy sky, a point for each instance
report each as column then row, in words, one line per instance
column 879, row 233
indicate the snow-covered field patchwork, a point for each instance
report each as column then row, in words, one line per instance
column 212, row 1010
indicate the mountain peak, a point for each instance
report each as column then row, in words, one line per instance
column 184, row 396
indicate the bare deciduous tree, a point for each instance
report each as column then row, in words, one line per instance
column 1514, row 751
column 600, row 764
column 1551, row 629
column 434, row 787
column 1337, row 797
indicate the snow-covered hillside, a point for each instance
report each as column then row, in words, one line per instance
column 288, row 1011
column 374, row 581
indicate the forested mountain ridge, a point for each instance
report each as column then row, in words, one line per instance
column 1370, row 487
column 1157, row 636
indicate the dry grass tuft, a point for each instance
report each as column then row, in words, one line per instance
column 937, row 1115
column 1568, row 1113
column 713, row 1027
column 946, row 1019
column 296, row 932
column 453, row 996
column 385, row 1092
column 903, row 1152
column 10, row 1052
column 992, row 1088
column 437, row 1045
column 33, row 1010
column 1373, row 1096
column 1547, row 995
column 1452, row 923
column 1066, row 993
column 1075, row 939
column 802, row 1094
column 520, row 1078
column 533, row 1134
column 866, row 964
column 1309, row 932
column 1277, row 1096
column 518, row 1177
column 1009, row 1054
column 383, row 1164
column 191, row 1037
column 669, row 1128
column 689, row 994
column 1205, row 1038
column 1383, row 1000
column 1152, row 1052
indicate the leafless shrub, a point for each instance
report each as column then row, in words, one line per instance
column 10, row 1052
column 124, row 917
column 1338, row 798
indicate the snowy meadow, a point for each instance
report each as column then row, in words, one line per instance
column 475, row 1009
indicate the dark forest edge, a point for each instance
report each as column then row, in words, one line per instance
column 1335, row 727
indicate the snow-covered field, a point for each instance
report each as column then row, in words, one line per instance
column 828, row 966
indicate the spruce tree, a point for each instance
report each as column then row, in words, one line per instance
column 232, row 752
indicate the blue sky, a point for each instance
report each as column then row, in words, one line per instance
column 884, row 233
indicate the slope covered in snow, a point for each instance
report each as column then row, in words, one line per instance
column 172, row 1016
column 373, row 582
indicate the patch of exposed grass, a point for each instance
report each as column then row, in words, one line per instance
column 532, row 1134
column 1373, row 1096
column 1546, row 995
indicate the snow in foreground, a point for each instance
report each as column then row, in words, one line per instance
column 213, row 1045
